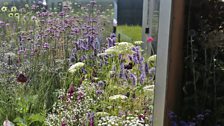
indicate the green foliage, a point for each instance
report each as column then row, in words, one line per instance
column 25, row 116
column 203, row 80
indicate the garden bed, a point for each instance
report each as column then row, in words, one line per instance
column 58, row 68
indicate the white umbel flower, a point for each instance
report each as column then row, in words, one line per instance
column 114, row 97
column 138, row 42
column 149, row 89
column 75, row 67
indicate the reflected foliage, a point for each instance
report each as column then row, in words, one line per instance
column 204, row 63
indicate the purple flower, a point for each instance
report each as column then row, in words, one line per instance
column 152, row 71
column 122, row 75
column 142, row 65
column 137, row 52
column 172, row 116
column 183, row 123
column 130, row 57
column 33, row 7
column 120, row 57
column 101, row 83
column 142, row 78
column 21, row 51
column 111, row 41
column 83, row 58
column 91, row 122
column 134, row 79
column 99, row 92
column 135, row 59
column 2, row 23
column 200, row 117
column 84, row 71
column 46, row 45
column 80, row 95
column 146, row 69
column 113, row 35
column 75, row 29
column 62, row 14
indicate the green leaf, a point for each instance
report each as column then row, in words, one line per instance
column 36, row 118
column 20, row 121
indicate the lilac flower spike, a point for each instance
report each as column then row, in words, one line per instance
column 91, row 122
column 122, row 74
column 134, row 79
column 146, row 69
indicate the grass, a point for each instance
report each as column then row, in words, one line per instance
column 134, row 33
column 129, row 33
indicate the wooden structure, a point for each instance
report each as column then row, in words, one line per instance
column 169, row 60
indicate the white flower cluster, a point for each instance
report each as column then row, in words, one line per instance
column 76, row 67
column 115, row 97
column 119, row 121
column 70, row 111
column 138, row 42
column 110, row 121
column 149, row 89
column 120, row 48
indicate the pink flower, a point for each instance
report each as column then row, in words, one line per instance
column 71, row 90
column 63, row 123
column 7, row 123
column 150, row 39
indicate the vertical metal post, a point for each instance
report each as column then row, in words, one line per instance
column 115, row 16
column 162, row 62
column 119, row 37
column 148, row 8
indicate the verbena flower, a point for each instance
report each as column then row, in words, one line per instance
column 142, row 78
column 122, row 74
column 146, row 69
column 134, row 79
column 46, row 45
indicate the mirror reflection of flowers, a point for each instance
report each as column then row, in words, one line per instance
column 150, row 39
